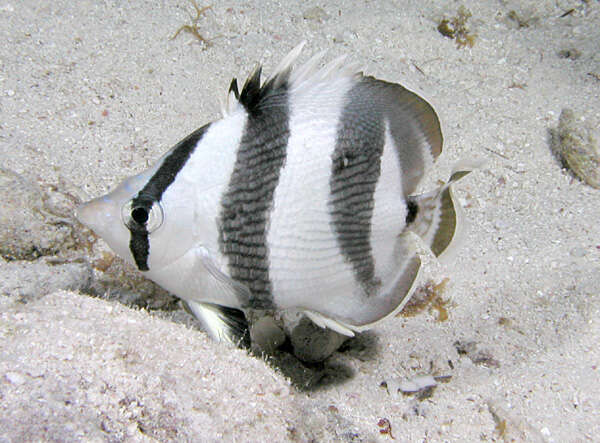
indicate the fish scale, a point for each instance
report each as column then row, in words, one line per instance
column 299, row 199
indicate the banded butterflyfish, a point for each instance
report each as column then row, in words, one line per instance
column 300, row 199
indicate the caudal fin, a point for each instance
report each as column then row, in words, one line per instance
column 435, row 216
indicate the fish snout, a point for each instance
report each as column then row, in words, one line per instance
column 97, row 214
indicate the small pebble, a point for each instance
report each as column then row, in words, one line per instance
column 266, row 335
column 417, row 384
column 316, row 13
column 15, row 378
column 579, row 252
column 312, row 343
column 576, row 143
column 572, row 54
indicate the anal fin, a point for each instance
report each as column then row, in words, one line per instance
column 406, row 283
column 390, row 299
column 233, row 289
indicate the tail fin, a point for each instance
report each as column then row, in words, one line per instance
column 436, row 218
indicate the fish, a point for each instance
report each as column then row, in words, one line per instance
column 301, row 198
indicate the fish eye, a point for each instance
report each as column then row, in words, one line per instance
column 142, row 215
column 139, row 215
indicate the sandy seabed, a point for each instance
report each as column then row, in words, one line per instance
column 94, row 91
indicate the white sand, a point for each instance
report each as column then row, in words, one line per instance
column 91, row 91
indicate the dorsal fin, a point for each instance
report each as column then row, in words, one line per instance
column 233, row 88
column 254, row 96
column 284, row 68
column 251, row 91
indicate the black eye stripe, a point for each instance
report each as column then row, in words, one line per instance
column 140, row 247
column 152, row 192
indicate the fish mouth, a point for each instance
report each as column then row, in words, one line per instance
column 103, row 216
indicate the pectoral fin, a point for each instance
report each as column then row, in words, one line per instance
column 232, row 291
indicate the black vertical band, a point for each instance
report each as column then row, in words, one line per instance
column 139, row 243
column 356, row 167
column 247, row 204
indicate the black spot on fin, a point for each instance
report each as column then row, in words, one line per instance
column 413, row 210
